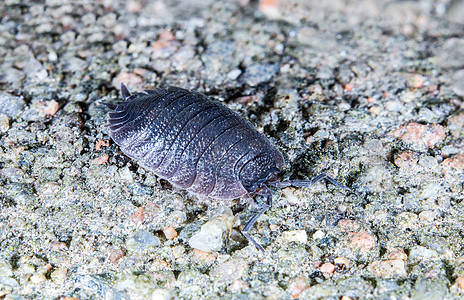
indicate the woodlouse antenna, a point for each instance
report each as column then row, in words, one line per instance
column 308, row 183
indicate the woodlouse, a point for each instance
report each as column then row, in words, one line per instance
column 200, row 145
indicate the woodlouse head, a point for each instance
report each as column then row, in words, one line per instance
column 257, row 171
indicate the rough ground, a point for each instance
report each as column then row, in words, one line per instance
column 369, row 91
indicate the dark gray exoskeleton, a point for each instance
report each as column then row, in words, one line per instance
column 199, row 145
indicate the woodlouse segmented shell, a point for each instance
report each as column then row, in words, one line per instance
column 194, row 142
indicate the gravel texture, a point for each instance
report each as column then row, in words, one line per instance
column 370, row 92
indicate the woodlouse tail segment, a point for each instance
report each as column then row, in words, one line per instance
column 266, row 192
column 308, row 183
column 125, row 92
column 109, row 105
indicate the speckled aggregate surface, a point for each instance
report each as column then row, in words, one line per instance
column 370, row 92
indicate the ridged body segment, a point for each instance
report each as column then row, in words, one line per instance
column 194, row 142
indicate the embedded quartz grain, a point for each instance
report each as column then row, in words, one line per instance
column 213, row 234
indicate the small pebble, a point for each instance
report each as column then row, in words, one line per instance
column 407, row 160
column 100, row 160
column 59, row 275
column 49, row 108
column 229, row 271
column 237, row 286
column 451, row 54
column 139, row 216
column 161, row 294
column 131, row 80
column 212, row 233
column 12, row 75
column 37, row 278
column 115, row 255
column 141, row 240
column 170, row 232
column 427, row 216
column 362, row 240
column 178, row 251
column 397, row 253
column 270, row 8
column 5, row 268
column 342, row 261
column 388, row 268
column 273, row 227
column 454, row 163
column 348, row 225
column 417, row 81
column 408, row 220
column 456, row 124
column 232, row 75
column 165, row 40
column 298, row 236
column 319, row 234
column 420, row 253
column 10, row 105
column 204, row 257
column 298, row 285
column 293, row 196
column 57, row 246
column 4, row 123
column 460, row 282
column 14, row 174
column 74, row 64
column 158, row 264
column 327, row 268
column 375, row 110
column 257, row 73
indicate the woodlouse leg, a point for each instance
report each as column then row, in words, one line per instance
column 266, row 192
column 307, row 183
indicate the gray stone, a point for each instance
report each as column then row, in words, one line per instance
column 230, row 270
column 317, row 41
column 12, row 75
column 219, row 59
column 420, row 253
column 457, row 83
column 257, row 73
column 143, row 239
column 455, row 11
column 74, row 64
column 451, row 54
column 430, row 288
column 10, row 105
